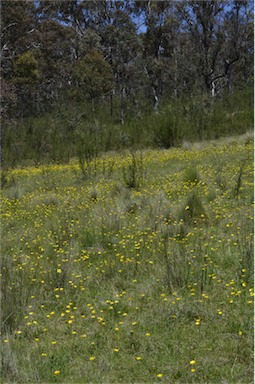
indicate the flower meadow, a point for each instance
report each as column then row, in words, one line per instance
column 140, row 270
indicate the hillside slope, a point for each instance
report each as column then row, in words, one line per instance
column 134, row 267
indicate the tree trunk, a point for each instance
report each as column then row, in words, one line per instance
column 155, row 100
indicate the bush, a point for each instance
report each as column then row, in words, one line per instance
column 59, row 135
column 134, row 173
column 166, row 127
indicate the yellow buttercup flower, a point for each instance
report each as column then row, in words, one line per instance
column 56, row 372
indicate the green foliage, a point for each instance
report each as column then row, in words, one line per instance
column 93, row 77
column 105, row 57
column 88, row 148
column 166, row 127
column 133, row 174
column 58, row 136
column 3, row 177
column 26, row 69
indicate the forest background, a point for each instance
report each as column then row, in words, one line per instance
column 84, row 77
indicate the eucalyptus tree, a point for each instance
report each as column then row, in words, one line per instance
column 121, row 45
column 161, row 49
column 55, row 61
column 218, row 31
column 92, row 77
column 239, row 44
column 18, row 37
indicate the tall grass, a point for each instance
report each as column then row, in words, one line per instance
column 103, row 282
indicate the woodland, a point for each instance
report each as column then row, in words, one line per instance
column 121, row 74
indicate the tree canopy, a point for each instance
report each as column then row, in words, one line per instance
column 133, row 51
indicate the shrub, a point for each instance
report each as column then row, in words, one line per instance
column 88, row 148
column 4, row 177
column 134, row 173
column 166, row 128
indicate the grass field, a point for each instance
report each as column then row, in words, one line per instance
column 131, row 268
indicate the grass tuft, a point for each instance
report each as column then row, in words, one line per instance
column 192, row 209
column 191, row 175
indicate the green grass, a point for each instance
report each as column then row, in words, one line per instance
column 102, row 282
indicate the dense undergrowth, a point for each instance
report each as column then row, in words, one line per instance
column 71, row 130
column 133, row 267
